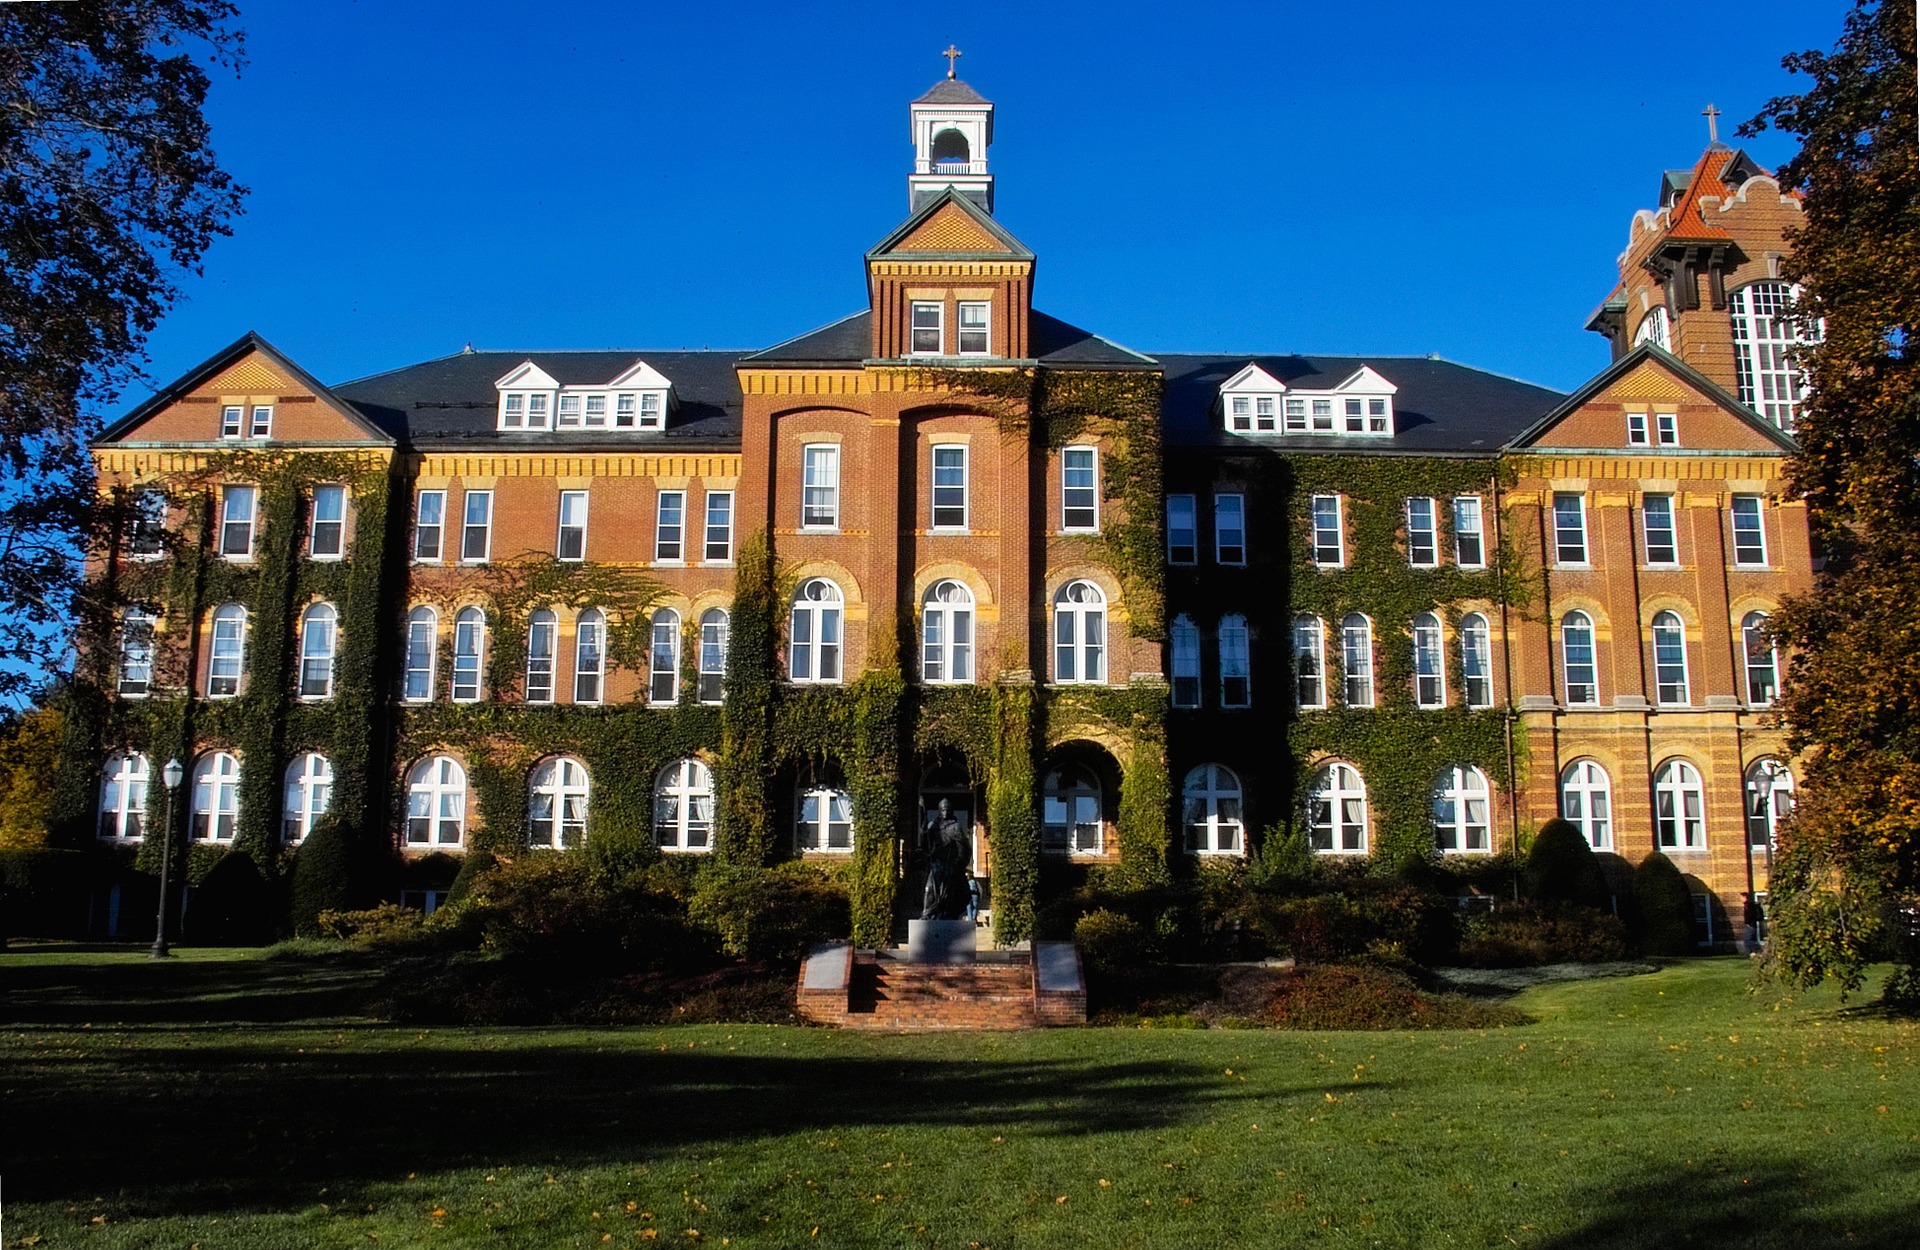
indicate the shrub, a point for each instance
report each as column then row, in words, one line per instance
column 1112, row 943
column 1387, row 921
column 1561, row 869
column 386, row 927
column 43, row 892
column 1344, row 997
column 770, row 913
column 1528, row 936
column 1662, row 908
column 233, row 905
column 556, row 906
column 322, row 877
column 476, row 865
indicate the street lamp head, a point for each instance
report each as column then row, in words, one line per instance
column 173, row 773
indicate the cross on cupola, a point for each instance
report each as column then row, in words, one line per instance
column 1712, row 115
column 952, row 128
column 952, row 54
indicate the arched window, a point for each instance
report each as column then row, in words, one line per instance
column 1356, row 659
column 1763, row 340
column 1070, row 811
column 318, row 630
column 589, row 655
column 227, row 652
column 543, row 636
column 1763, row 660
column 1309, row 662
column 1670, row 659
column 123, row 797
column 309, row 794
column 813, row 632
column 216, row 797
column 823, row 820
column 1679, row 808
column 1236, row 663
column 136, row 651
column 1429, row 662
column 1576, row 657
column 1461, row 825
column 1185, row 639
column 1210, row 808
column 469, row 646
column 1337, row 811
column 1476, row 660
column 946, row 633
column 557, row 804
column 683, row 806
column 1655, row 329
column 663, row 658
column 1586, row 801
column 949, row 147
column 423, row 635
column 436, row 802
column 1769, row 801
column 713, row 655
column 1080, row 634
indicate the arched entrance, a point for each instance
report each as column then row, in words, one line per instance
column 950, row 803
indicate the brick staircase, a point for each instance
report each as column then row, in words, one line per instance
column 860, row 989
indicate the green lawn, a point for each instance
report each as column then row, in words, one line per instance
column 222, row 1101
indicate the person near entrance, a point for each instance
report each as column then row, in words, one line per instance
column 948, row 851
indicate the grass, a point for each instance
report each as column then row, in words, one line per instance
column 225, row 1101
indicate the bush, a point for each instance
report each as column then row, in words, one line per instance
column 322, row 877
column 1562, row 869
column 233, row 905
column 1344, row 997
column 475, row 865
column 388, row 927
column 1662, row 908
column 770, row 913
column 1371, row 919
column 43, row 892
column 1111, row 943
column 1528, row 936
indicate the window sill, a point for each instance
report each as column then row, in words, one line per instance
column 1572, row 568
column 1466, row 851
column 686, row 850
column 1064, row 530
column 425, row 561
column 950, row 531
column 1360, row 851
column 835, row 852
column 716, row 564
column 1663, row 567
column 476, row 563
column 819, row 529
column 1753, row 568
column 236, row 559
column 669, row 564
column 333, row 559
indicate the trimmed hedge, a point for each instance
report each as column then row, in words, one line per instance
column 1663, row 908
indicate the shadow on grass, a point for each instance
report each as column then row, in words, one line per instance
column 1763, row 1204
column 138, row 991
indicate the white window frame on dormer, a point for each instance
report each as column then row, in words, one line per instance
column 915, row 329
column 593, row 414
column 1251, row 401
column 983, row 331
column 653, row 410
column 568, row 411
column 539, row 409
column 1295, row 421
column 626, row 409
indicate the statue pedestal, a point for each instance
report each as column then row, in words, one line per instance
column 940, row 941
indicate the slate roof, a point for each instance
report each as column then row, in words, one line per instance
column 1053, row 342
column 951, row 91
column 1440, row 406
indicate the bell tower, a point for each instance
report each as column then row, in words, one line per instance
column 952, row 129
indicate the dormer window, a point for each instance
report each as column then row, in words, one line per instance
column 926, row 328
column 1242, row 409
column 636, row 396
column 1256, row 402
column 1323, row 414
column 1296, row 415
column 569, row 411
column 975, row 327
column 1263, row 413
column 623, row 410
column 597, row 410
column 652, row 407
column 536, row 412
column 513, row 412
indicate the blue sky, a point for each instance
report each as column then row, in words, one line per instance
column 1367, row 178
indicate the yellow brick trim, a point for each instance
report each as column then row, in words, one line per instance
column 468, row 466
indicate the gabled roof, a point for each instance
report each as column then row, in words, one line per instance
column 1012, row 248
column 1253, row 378
column 849, row 341
column 951, row 91
column 248, row 344
column 1687, row 374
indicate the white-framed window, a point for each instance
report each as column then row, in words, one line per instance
column 1329, row 540
column 1570, row 528
column 1666, row 429
column 227, row 651
column 813, row 632
column 1762, row 660
column 308, row 795
column 1657, row 531
column 476, row 531
column 670, row 527
column 537, row 404
column 718, row 547
column 1769, row 801
column 926, row 328
column 950, row 486
column 260, row 422
column 1476, row 660
column 1356, row 659
column 469, row 651
column 820, row 486
column 147, row 524
column 589, row 655
column 1637, row 430
column 571, row 544
column 319, row 635
column 123, row 797
column 1183, row 530
column 1079, row 490
column 1263, row 413
column 1337, row 811
column 1679, row 808
column 1749, row 532
column 236, row 522
column 1230, row 528
column 429, row 525
column 1577, row 658
column 663, row 658
column 232, row 419
column 596, row 411
column 624, row 410
column 327, row 527
column 568, row 413
column 423, row 638
column 976, row 328
column 1429, row 662
column 683, row 806
column 1080, row 634
column 1240, row 413
column 823, row 819
column 1296, row 415
column 1764, row 338
column 1423, row 538
column 436, row 802
column 714, row 628
column 1070, row 821
column 1460, row 804
column 653, row 410
column 946, row 633
column 136, row 651
column 1309, row 662
column 1323, row 416
column 1586, row 802
column 543, row 637
column 513, row 410
column 1469, row 540
column 1210, row 810
column 1236, row 663
column 216, row 797
column 557, row 796
column 1655, row 329
column 1670, row 660
column 1184, row 640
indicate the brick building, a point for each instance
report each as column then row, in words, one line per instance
column 1114, row 608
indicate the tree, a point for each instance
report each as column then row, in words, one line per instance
column 109, row 194
column 29, row 749
column 1851, row 702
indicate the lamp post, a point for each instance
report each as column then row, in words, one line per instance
column 171, row 775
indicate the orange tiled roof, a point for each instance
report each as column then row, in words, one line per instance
column 1686, row 221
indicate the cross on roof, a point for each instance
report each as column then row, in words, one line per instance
column 1712, row 115
column 950, row 54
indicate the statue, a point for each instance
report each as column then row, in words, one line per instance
column 948, row 847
